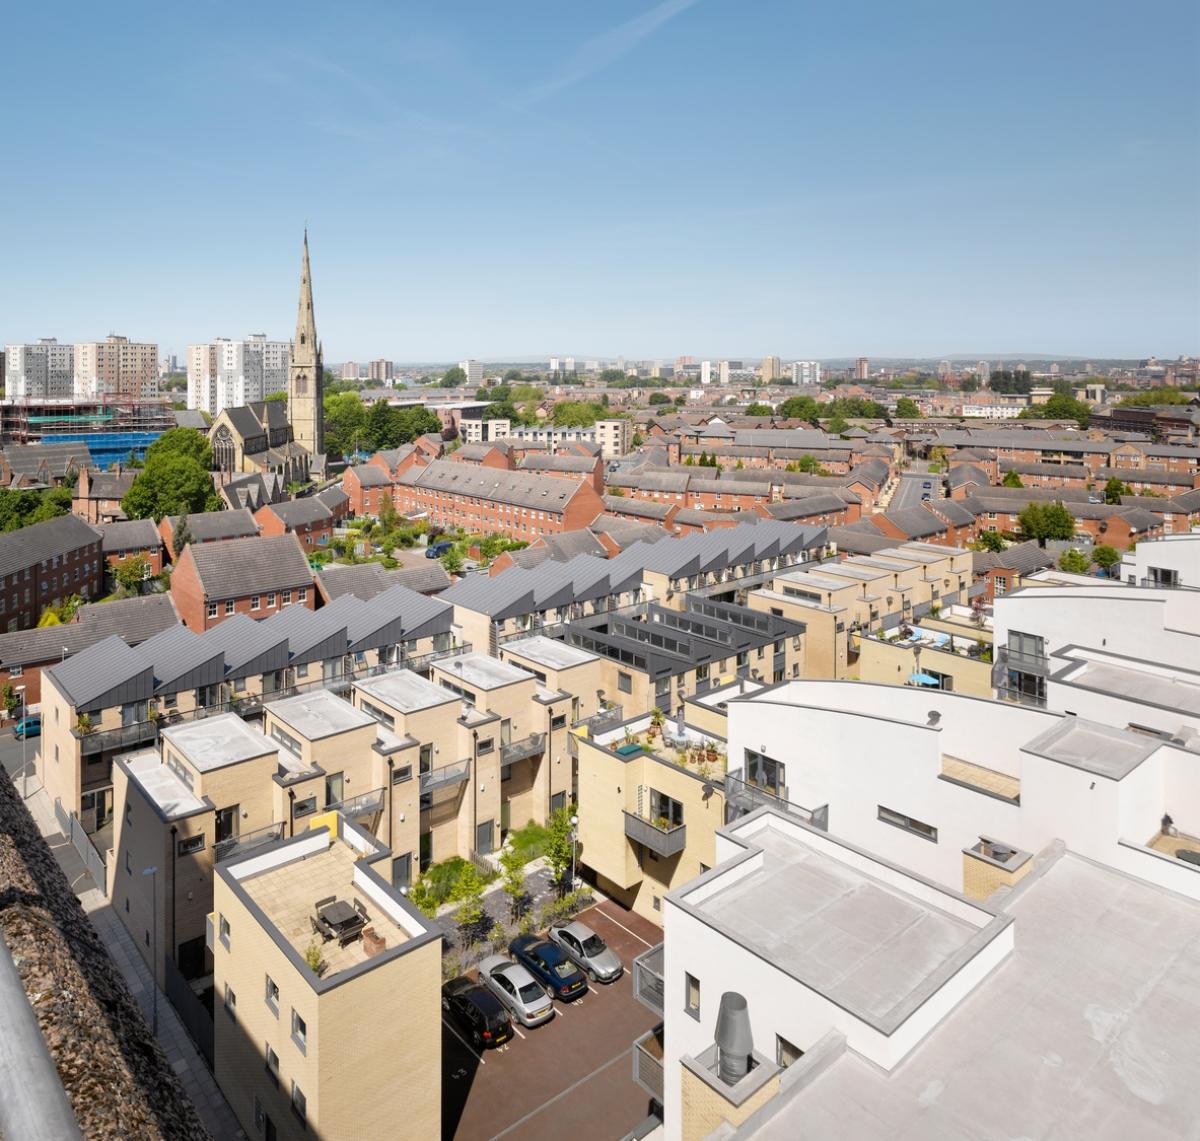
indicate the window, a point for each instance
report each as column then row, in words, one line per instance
column 212, row 610
column 302, row 594
column 908, row 823
column 486, row 745
column 766, row 773
column 272, row 995
column 272, row 1066
column 305, row 807
column 224, row 929
column 299, row 1105
column 625, row 682
column 665, row 811
column 270, row 600
column 692, row 996
column 255, row 602
column 786, row 1053
column 128, row 864
column 299, row 1031
column 230, row 1001
column 227, row 823
column 229, row 606
column 401, row 773
column 402, row 870
column 287, row 598
column 190, row 845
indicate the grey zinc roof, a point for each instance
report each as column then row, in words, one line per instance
column 523, row 489
column 34, row 544
column 1020, row 557
column 238, row 567
column 208, row 526
column 249, row 647
column 101, row 668
column 182, row 659
column 315, row 634
column 132, row 535
column 395, row 616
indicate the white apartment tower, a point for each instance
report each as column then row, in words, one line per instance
column 474, row 371
column 42, row 370
column 723, row 372
column 806, row 372
column 230, row 374
column 706, row 372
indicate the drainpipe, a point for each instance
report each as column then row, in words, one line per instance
column 291, row 812
column 174, row 857
column 391, row 800
column 474, row 787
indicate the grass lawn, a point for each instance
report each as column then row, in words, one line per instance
column 530, row 841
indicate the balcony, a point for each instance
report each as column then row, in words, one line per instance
column 662, row 840
column 123, row 737
column 241, row 845
column 454, row 773
column 514, row 751
column 360, row 807
column 648, row 979
column 598, row 722
column 648, row 1063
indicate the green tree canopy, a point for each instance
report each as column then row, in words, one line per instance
column 800, row 408
column 345, row 423
column 24, row 508
column 991, row 541
column 453, row 377
column 170, row 484
column 612, row 375
column 906, row 409
column 1042, row 521
column 1106, row 557
column 1114, row 489
column 1154, row 396
column 1012, row 479
column 659, row 398
column 1059, row 407
column 1074, row 562
column 576, row 414
column 969, row 384
column 758, row 409
column 182, row 442
column 836, row 425
column 131, row 573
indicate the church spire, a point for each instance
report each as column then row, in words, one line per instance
column 305, row 346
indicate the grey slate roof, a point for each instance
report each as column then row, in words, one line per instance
column 366, row 580
column 951, row 510
column 560, row 462
column 110, row 484
column 858, row 539
column 642, row 508
column 131, row 535
column 1021, row 557
column 819, row 503
column 371, row 475
column 520, row 488
column 239, row 567
column 302, row 512
column 34, row 544
column 134, row 619
column 916, row 522
column 208, row 526
column 59, row 458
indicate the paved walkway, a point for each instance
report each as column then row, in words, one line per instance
column 182, row 1055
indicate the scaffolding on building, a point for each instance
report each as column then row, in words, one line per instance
column 112, row 427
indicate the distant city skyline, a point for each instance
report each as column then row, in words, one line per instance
column 487, row 183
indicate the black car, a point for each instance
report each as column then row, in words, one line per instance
column 477, row 1011
column 548, row 963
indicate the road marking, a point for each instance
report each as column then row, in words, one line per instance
column 559, row 1096
column 592, row 990
column 517, row 1032
column 624, row 928
column 463, row 1041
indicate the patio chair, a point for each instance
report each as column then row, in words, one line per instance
column 319, row 930
column 358, row 906
column 324, row 902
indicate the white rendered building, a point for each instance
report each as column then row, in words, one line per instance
column 45, row 369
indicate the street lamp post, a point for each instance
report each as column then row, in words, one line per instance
column 152, row 872
column 24, row 736
column 574, row 826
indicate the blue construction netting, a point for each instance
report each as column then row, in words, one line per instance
column 108, row 448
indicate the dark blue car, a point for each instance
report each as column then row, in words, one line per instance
column 549, row 964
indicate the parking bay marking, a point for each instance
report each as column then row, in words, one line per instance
column 624, row 928
column 463, row 1041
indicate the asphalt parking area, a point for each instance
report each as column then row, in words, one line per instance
column 570, row 1077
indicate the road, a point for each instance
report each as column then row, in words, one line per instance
column 911, row 488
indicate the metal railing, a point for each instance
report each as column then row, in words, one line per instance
column 648, row 979
column 648, row 1063
column 668, row 841
column 1021, row 660
column 454, row 773
column 599, row 722
column 251, row 704
column 1174, row 584
column 247, row 842
column 742, row 797
column 357, row 807
column 72, row 828
column 515, row 751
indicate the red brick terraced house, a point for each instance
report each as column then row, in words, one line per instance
column 44, row 564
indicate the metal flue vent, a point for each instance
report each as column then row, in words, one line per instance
column 735, row 1043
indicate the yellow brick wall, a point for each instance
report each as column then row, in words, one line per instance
column 704, row 1108
column 980, row 878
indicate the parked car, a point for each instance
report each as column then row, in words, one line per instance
column 586, row 950
column 520, row 992
column 437, row 550
column 30, row 726
column 477, row 1011
column 548, row 963
column 927, row 485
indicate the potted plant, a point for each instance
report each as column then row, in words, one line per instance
column 657, row 717
column 83, row 724
column 314, row 959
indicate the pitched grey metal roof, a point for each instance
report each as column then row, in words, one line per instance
column 133, row 619
column 131, row 535
column 1020, row 557
column 238, row 567
column 108, row 665
column 182, row 659
column 208, row 526
column 34, row 544
column 315, row 634
column 396, row 616
column 249, row 647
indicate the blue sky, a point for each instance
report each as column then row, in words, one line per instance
column 715, row 177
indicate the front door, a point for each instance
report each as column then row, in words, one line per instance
column 335, row 788
column 484, row 835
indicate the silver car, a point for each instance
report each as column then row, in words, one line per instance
column 587, row 950
column 520, row 992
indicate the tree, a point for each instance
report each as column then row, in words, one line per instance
column 131, row 573
column 680, row 400
column 345, row 423
column 278, row 397
column 1012, row 479
column 1059, row 407
column 659, row 398
column 906, row 409
column 512, row 879
column 560, row 846
column 991, row 541
column 1153, row 397
column 453, row 377
column 836, row 425
column 800, row 408
column 576, row 414
column 452, row 560
column 1074, row 562
column 1106, row 557
column 182, row 442
column 24, row 508
column 468, row 894
column 1042, row 521
column 181, row 535
column 969, row 384
column 809, row 464
column 170, row 484
column 612, row 376
column 758, row 409
column 1114, row 489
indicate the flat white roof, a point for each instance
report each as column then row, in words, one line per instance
column 161, row 785
column 406, row 691
column 319, row 714
column 1093, row 747
column 214, row 742
column 550, row 652
column 1147, row 685
column 481, row 671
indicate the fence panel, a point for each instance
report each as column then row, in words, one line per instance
column 192, row 1012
